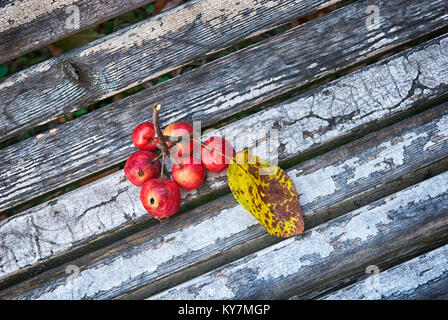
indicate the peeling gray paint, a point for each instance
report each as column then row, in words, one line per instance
column 146, row 262
column 351, row 101
column 24, row 11
column 400, row 281
column 292, row 255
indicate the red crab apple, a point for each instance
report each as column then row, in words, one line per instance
column 143, row 137
column 161, row 198
column 214, row 160
column 188, row 173
column 178, row 129
column 141, row 167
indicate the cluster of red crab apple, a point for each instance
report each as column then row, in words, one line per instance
column 160, row 195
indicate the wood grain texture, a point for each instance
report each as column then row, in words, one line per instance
column 383, row 230
column 136, row 54
column 194, row 242
column 27, row 25
column 422, row 278
column 112, row 203
column 102, row 138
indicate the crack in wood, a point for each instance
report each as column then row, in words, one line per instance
column 112, row 199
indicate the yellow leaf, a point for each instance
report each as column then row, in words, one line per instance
column 267, row 192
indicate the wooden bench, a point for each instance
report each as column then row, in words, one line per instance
column 361, row 117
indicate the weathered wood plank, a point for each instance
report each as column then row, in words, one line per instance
column 384, row 230
column 103, row 207
column 423, row 278
column 27, row 25
column 102, row 138
column 195, row 241
column 138, row 53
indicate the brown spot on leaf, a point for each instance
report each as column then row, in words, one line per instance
column 271, row 195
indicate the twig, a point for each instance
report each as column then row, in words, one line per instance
column 163, row 164
column 162, row 142
column 228, row 158
column 155, row 119
column 211, row 149
column 156, row 158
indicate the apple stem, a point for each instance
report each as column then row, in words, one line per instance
column 162, row 142
column 156, row 158
column 163, row 164
column 211, row 149
column 162, row 139
column 155, row 119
